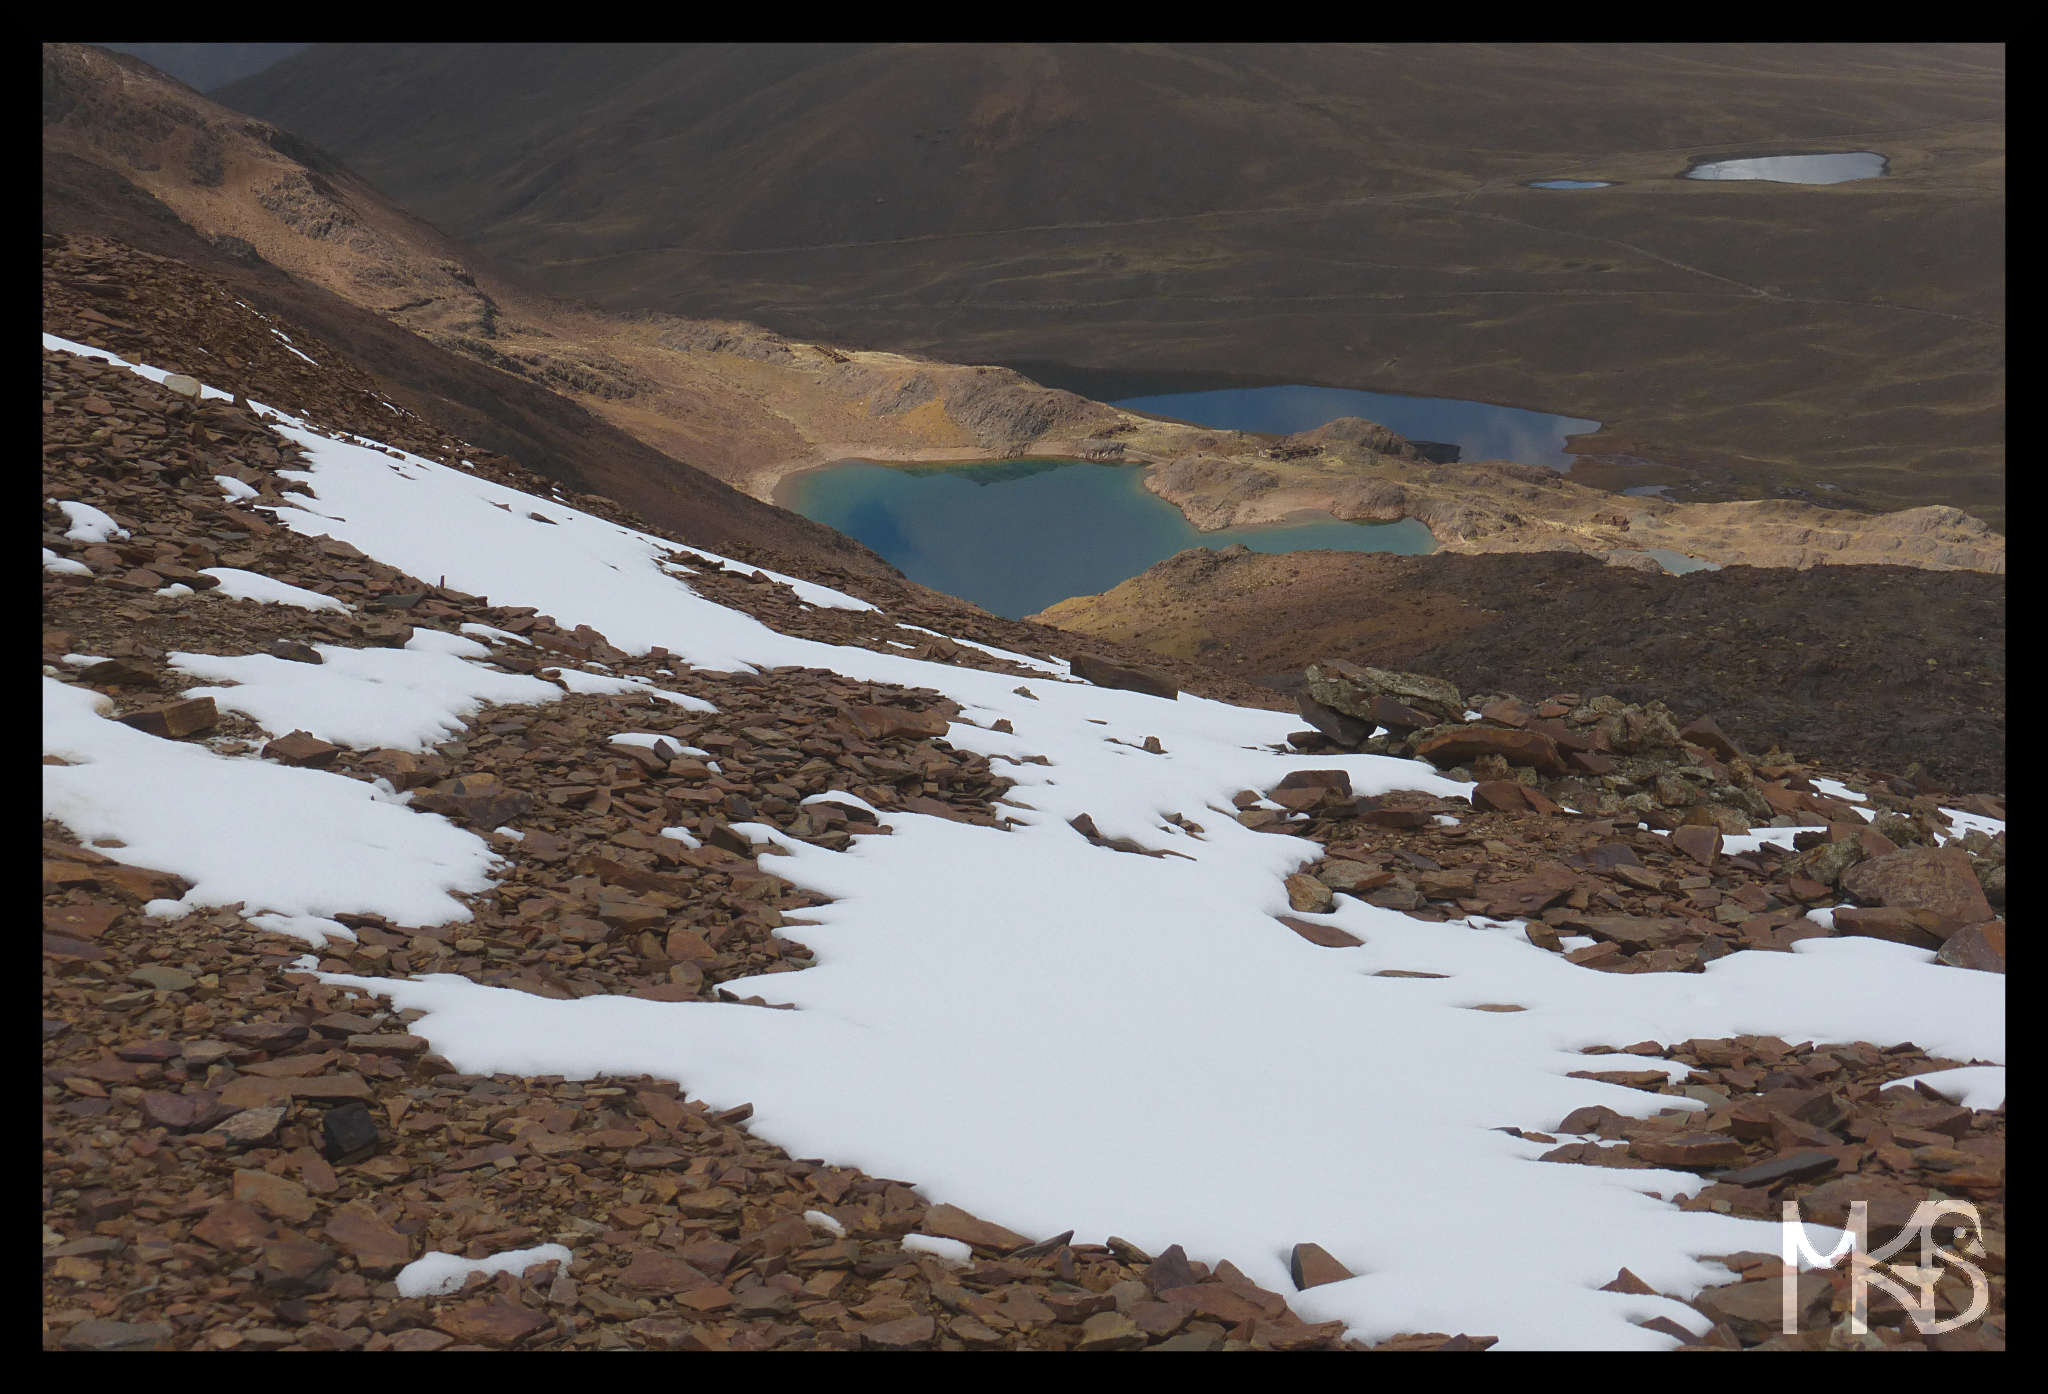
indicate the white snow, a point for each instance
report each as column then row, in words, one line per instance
column 1058, row 670
column 1050, row 1034
column 1963, row 823
column 64, row 566
column 296, row 841
column 951, row 1250
column 88, row 524
column 1973, row 1086
column 438, row 1273
column 484, row 631
column 1835, row 789
column 234, row 488
column 288, row 345
column 810, row 592
column 820, row 1220
column 406, row 699
column 652, row 741
column 249, row 585
column 576, row 680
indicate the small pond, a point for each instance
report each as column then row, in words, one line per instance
column 1837, row 168
column 1016, row 536
column 1678, row 563
column 1572, row 184
column 1479, row 430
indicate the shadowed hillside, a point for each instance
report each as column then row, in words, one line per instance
column 1348, row 215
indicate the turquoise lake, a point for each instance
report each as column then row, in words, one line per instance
column 1018, row 535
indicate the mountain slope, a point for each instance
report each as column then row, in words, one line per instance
column 1347, row 215
column 443, row 874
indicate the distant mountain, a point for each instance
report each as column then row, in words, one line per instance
column 204, row 67
column 1353, row 215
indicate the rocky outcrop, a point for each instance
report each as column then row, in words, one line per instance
column 1007, row 411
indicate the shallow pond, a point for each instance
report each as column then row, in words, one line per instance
column 1480, row 430
column 1572, row 184
column 1016, row 536
column 1838, row 168
column 1678, row 563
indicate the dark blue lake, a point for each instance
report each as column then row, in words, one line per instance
column 1479, row 430
column 1016, row 536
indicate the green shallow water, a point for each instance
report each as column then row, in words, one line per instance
column 1018, row 535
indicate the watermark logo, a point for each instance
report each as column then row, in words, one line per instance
column 1911, row 1285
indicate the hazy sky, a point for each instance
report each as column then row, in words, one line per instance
column 207, row 66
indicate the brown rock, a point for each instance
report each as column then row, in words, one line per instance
column 1754, row 1311
column 1310, row 896
column 495, row 1321
column 1690, row 1150
column 1398, row 717
column 1103, row 673
column 1795, row 1166
column 951, row 1222
column 252, row 1126
column 275, row 1195
column 905, row 1333
column 233, row 1225
column 1896, row 924
column 293, row 1263
column 1978, row 946
column 1323, row 935
column 1110, row 1330
column 301, row 748
column 378, row 1249
column 1468, row 743
column 1347, row 731
column 653, row 1271
column 1340, row 780
column 1355, row 878
column 879, row 723
column 1500, row 795
column 1938, row 881
column 480, row 800
column 1625, row 1281
column 117, row 1335
column 177, row 720
column 1312, row 1266
column 182, row 1113
column 1528, row 896
column 1350, row 688
column 1170, row 1270
column 1702, row 844
column 1709, row 736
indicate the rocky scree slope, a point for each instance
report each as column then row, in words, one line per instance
column 240, row 1155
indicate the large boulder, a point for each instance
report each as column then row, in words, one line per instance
column 1352, row 690
column 1936, row 881
column 1463, row 744
column 1103, row 673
